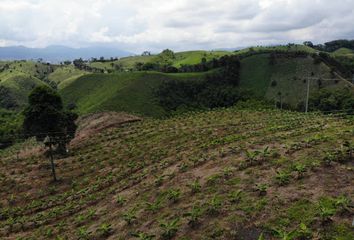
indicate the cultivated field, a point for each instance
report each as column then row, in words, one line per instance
column 222, row 174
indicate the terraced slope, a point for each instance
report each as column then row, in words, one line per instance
column 224, row 174
column 130, row 92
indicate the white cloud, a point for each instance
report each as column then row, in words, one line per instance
column 137, row 25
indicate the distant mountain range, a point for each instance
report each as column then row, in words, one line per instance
column 59, row 53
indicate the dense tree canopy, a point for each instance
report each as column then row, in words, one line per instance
column 329, row 100
column 45, row 117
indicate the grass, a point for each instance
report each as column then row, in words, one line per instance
column 284, row 80
column 343, row 52
column 287, row 76
column 130, row 92
column 20, row 77
column 19, row 86
column 64, row 75
column 189, row 57
column 195, row 57
column 108, row 184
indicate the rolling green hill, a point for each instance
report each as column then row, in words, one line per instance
column 15, row 89
column 284, row 79
column 223, row 174
column 18, row 78
column 192, row 57
column 287, row 76
column 189, row 57
column 288, row 48
column 130, row 92
column 344, row 51
column 133, row 91
column 64, row 75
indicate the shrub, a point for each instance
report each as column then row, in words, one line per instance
column 173, row 195
column 282, row 178
column 169, row 229
column 194, row 216
column 214, row 205
column 195, row 186
column 105, row 230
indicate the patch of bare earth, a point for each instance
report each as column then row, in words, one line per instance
column 94, row 123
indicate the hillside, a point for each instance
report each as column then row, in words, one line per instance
column 344, row 51
column 64, row 75
column 224, row 174
column 282, row 79
column 17, row 79
column 189, row 57
column 287, row 76
column 130, row 92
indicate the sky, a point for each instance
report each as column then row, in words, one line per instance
column 138, row 25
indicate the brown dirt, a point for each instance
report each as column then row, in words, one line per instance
column 94, row 123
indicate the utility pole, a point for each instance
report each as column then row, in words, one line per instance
column 307, row 95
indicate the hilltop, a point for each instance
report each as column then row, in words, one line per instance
column 222, row 174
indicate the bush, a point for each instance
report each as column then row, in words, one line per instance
column 328, row 100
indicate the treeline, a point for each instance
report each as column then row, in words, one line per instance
column 331, row 100
column 10, row 126
column 332, row 45
column 219, row 89
column 205, row 65
column 82, row 65
column 334, row 64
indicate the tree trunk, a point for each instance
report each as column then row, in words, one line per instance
column 52, row 162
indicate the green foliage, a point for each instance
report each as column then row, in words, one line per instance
column 219, row 89
column 129, row 92
column 326, row 213
column 130, row 216
column 120, row 200
column 342, row 204
column 213, row 206
column 284, row 235
column 194, row 215
column 155, row 205
column 195, row 186
column 10, row 126
column 173, row 195
column 45, row 117
column 82, row 233
column 300, row 169
column 169, row 229
column 262, row 189
column 282, row 178
column 328, row 100
column 235, row 196
column 105, row 230
column 143, row 236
